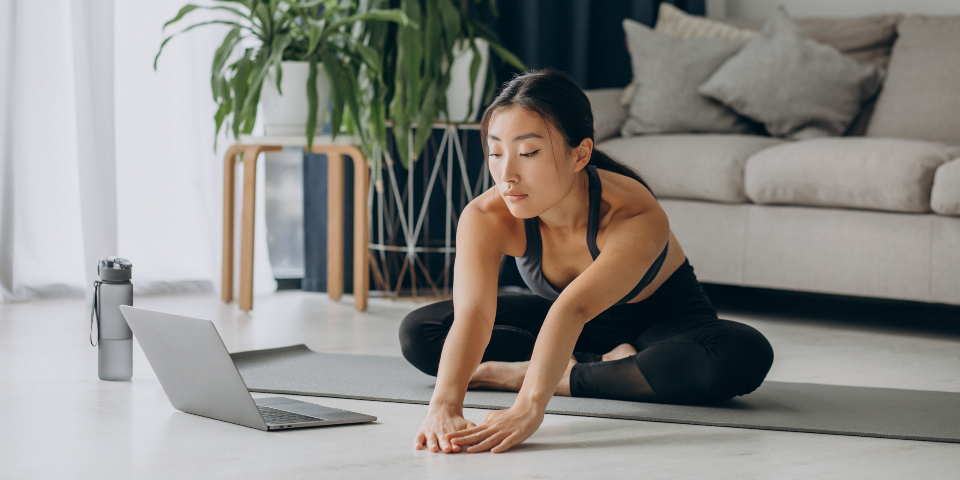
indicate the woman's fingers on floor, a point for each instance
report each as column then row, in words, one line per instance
column 506, row 444
column 418, row 443
column 490, row 442
column 473, row 438
column 465, row 432
column 444, row 444
column 432, row 442
column 481, row 433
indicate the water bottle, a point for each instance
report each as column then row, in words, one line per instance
column 114, row 338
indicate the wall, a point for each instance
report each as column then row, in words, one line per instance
column 829, row 8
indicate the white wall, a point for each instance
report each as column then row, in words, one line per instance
column 830, row 8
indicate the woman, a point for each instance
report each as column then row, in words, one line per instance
column 620, row 316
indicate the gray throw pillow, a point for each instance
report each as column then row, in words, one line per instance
column 797, row 87
column 667, row 71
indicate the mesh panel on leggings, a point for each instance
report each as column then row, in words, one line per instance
column 616, row 380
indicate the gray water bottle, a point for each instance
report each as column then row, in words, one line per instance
column 115, row 340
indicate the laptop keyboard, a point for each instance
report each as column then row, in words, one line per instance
column 279, row 417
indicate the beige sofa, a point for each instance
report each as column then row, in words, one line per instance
column 875, row 213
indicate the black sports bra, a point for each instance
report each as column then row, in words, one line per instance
column 530, row 263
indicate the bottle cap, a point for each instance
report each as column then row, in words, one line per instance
column 115, row 269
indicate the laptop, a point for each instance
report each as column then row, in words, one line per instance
column 199, row 377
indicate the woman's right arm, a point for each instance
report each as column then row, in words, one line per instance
column 474, row 305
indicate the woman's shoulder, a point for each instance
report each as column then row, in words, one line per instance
column 489, row 214
column 625, row 197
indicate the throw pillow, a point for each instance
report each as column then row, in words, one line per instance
column 677, row 23
column 921, row 98
column 667, row 71
column 864, row 39
column 797, row 87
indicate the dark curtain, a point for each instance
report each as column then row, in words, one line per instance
column 581, row 37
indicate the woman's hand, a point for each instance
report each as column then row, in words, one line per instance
column 441, row 422
column 500, row 430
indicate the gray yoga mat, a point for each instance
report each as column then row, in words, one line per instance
column 797, row 407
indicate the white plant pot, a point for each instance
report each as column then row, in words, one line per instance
column 458, row 93
column 287, row 114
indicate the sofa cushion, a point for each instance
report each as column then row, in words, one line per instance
column 945, row 197
column 703, row 167
column 921, row 96
column 869, row 173
column 797, row 87
column 667, row 72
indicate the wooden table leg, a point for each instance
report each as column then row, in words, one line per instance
column 335, row 208
column 226, row 278
column 361, row 266
column 334, row 223
column 247, row 216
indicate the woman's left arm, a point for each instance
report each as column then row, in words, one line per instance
column 630, row 248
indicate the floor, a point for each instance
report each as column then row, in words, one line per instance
column 87, row 428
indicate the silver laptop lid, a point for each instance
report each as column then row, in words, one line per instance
column 193, row 366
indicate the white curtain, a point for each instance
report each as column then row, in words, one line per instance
column 101, row 155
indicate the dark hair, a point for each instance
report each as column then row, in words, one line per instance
column 554, row 96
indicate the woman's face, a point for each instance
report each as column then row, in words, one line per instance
column 530, row 162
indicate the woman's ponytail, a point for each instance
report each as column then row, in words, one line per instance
column 605, row 162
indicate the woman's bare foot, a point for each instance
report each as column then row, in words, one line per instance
column 509, row 376
column 623, row 350
column 499, row 376
column 563, row 388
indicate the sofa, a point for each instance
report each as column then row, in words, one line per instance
column 874, row 212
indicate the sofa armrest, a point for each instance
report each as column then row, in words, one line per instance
column 608, row 113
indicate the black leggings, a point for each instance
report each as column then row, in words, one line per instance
column 685, row 354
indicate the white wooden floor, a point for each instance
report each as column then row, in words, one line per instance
column 57, row 420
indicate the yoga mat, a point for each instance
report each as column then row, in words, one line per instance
column 797, row 407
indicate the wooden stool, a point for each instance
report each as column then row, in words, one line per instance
column 251, row 147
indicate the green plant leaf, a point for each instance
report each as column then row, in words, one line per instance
column 311, row 4
column 245, row 3
column 191, row 27
column 311, row 104
column 506, row 56
column 315, row 31
column 220, row 59
column 370, row 56
column 334, row 74
column 238, row 84
column 392, row 15
column 263, row 65
column 190, row 7
column 432, row 44
column 474, row 72
column 451, row 21
column 183, row 11
column 222, row 112
column 279, row 68
column 425, row 120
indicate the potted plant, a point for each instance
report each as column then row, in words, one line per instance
column 419, row 62
column 268, row 34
